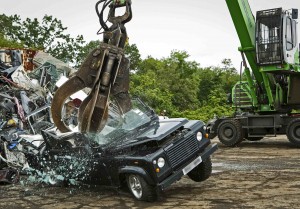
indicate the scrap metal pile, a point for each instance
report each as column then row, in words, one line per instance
column 27, row 81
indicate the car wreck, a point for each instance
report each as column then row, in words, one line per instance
column 136, row 149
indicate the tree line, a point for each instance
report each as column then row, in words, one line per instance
column 175, row 84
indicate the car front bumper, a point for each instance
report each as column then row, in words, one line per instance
column 176, row 176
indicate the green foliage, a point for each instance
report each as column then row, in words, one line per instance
column 210, row 79
column 8, row 43
column 182, row 88
column 133, row 55
column 10, row 27
column 144, row 84
column 167, row 84
column 85, row 50
column 49, row 34
column 215, row 106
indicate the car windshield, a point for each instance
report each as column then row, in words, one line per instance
column 121, row 127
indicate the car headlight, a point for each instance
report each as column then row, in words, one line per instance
column 199, row 136
column 161, row 162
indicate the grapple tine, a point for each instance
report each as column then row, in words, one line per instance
column 83, row 107
column 61, row 95
column 86, row 111
column 100, row 113
column 93, row 111
column 98, row 124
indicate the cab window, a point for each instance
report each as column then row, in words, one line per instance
column 289, row 34
column 294, row 28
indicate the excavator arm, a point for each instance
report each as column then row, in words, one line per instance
column 244, row 23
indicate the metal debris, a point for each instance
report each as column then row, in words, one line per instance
column 9, row 175
column 27, row 81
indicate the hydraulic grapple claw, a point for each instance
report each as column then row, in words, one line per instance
column 103, row 68
column 86, row 76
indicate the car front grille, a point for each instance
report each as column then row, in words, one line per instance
column 182, row 151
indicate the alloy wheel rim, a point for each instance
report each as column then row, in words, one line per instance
column 135, row 186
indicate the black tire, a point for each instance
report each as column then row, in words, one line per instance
column 230, row 132
column 202, row 171
column 254, row 138
column 146, row 192
column 293, row 132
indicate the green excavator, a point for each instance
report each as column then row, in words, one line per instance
column 266, row 100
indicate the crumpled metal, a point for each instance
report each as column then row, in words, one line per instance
column 10, row 176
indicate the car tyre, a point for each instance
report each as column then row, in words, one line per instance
column 293, row 132
column 140, row 189
column 230, row 132
column 202, row 171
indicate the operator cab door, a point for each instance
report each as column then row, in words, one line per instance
column 269, row 37
column 290, row 41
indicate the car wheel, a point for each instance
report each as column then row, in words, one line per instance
column 140, row 189
column 202, row 171
column 293, row 132
column 230, row 132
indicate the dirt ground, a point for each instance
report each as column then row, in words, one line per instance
column 263, row 174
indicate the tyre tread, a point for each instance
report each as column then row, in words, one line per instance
column 239, row 133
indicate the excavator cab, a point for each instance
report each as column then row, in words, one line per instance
column 276, row 37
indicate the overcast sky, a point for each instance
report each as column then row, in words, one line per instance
column 202, row 28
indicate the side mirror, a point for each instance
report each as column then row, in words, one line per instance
column 295, row 14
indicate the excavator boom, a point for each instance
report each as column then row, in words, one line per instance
column 244, row 23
